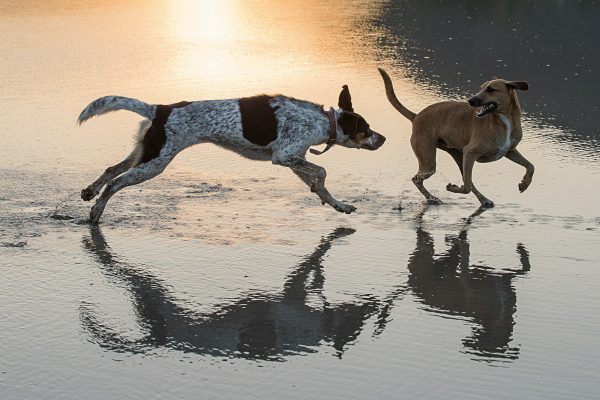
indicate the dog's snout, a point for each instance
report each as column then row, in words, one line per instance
column 379, row 138
column 375, row 141
column 474, row 101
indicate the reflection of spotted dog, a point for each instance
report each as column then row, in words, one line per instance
column 276, row 128
column 269, row 326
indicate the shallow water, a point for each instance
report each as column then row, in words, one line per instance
column 226, row 278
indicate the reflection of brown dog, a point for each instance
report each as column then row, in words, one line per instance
column 466, row 135
column 450, row 284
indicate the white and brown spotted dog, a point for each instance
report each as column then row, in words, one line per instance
column 276, row 128
column 484, row 135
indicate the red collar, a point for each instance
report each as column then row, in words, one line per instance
column 332, row 132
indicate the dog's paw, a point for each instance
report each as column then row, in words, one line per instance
column 454, row 188
column 87, row 194
column 458, row 189
column 523, row 185
column 434, row 201
column 344, row 208
column 487, row 203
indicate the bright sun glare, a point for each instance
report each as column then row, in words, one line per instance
column 207, row 20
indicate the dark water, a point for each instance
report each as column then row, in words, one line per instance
column 456, row 46
column 226, row 278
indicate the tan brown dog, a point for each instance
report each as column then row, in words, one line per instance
column 485, row 135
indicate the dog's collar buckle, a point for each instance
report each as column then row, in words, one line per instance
column 332, row 132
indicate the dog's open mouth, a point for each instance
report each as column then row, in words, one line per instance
column 486, row 109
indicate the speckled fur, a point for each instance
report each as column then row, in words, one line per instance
column 300, row 125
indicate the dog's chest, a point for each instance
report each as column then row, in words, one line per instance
column 504, row 142
column 507, row 141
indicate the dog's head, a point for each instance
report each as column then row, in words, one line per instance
column 496, row 96
column 356, row 131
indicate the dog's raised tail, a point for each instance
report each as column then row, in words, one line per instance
column 389, row 91
column 113, row 103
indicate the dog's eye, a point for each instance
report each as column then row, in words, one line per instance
column 490, row 89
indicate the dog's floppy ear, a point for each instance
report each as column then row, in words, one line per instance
column 345, row 100
column 518, row 85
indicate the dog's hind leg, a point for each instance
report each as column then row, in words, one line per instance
column 468, row 161
column 135, row 175
column 314, row 176
column 110, row 173
column 426, row 157
column 458, row 158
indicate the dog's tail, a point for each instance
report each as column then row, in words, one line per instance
column 389, row 91
column 113, row 103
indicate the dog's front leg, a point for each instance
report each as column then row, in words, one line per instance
column 516, row 157
column 314, row 176
column 317, row 186
column 467, row 172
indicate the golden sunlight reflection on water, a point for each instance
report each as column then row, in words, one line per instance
column 204, row 20
column 263, row 44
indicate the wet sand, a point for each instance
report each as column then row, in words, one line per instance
column 227, row 278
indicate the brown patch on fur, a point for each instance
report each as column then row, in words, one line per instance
column 155, row 138
column 259, row 124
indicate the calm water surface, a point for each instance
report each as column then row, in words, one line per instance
column 225, row 278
